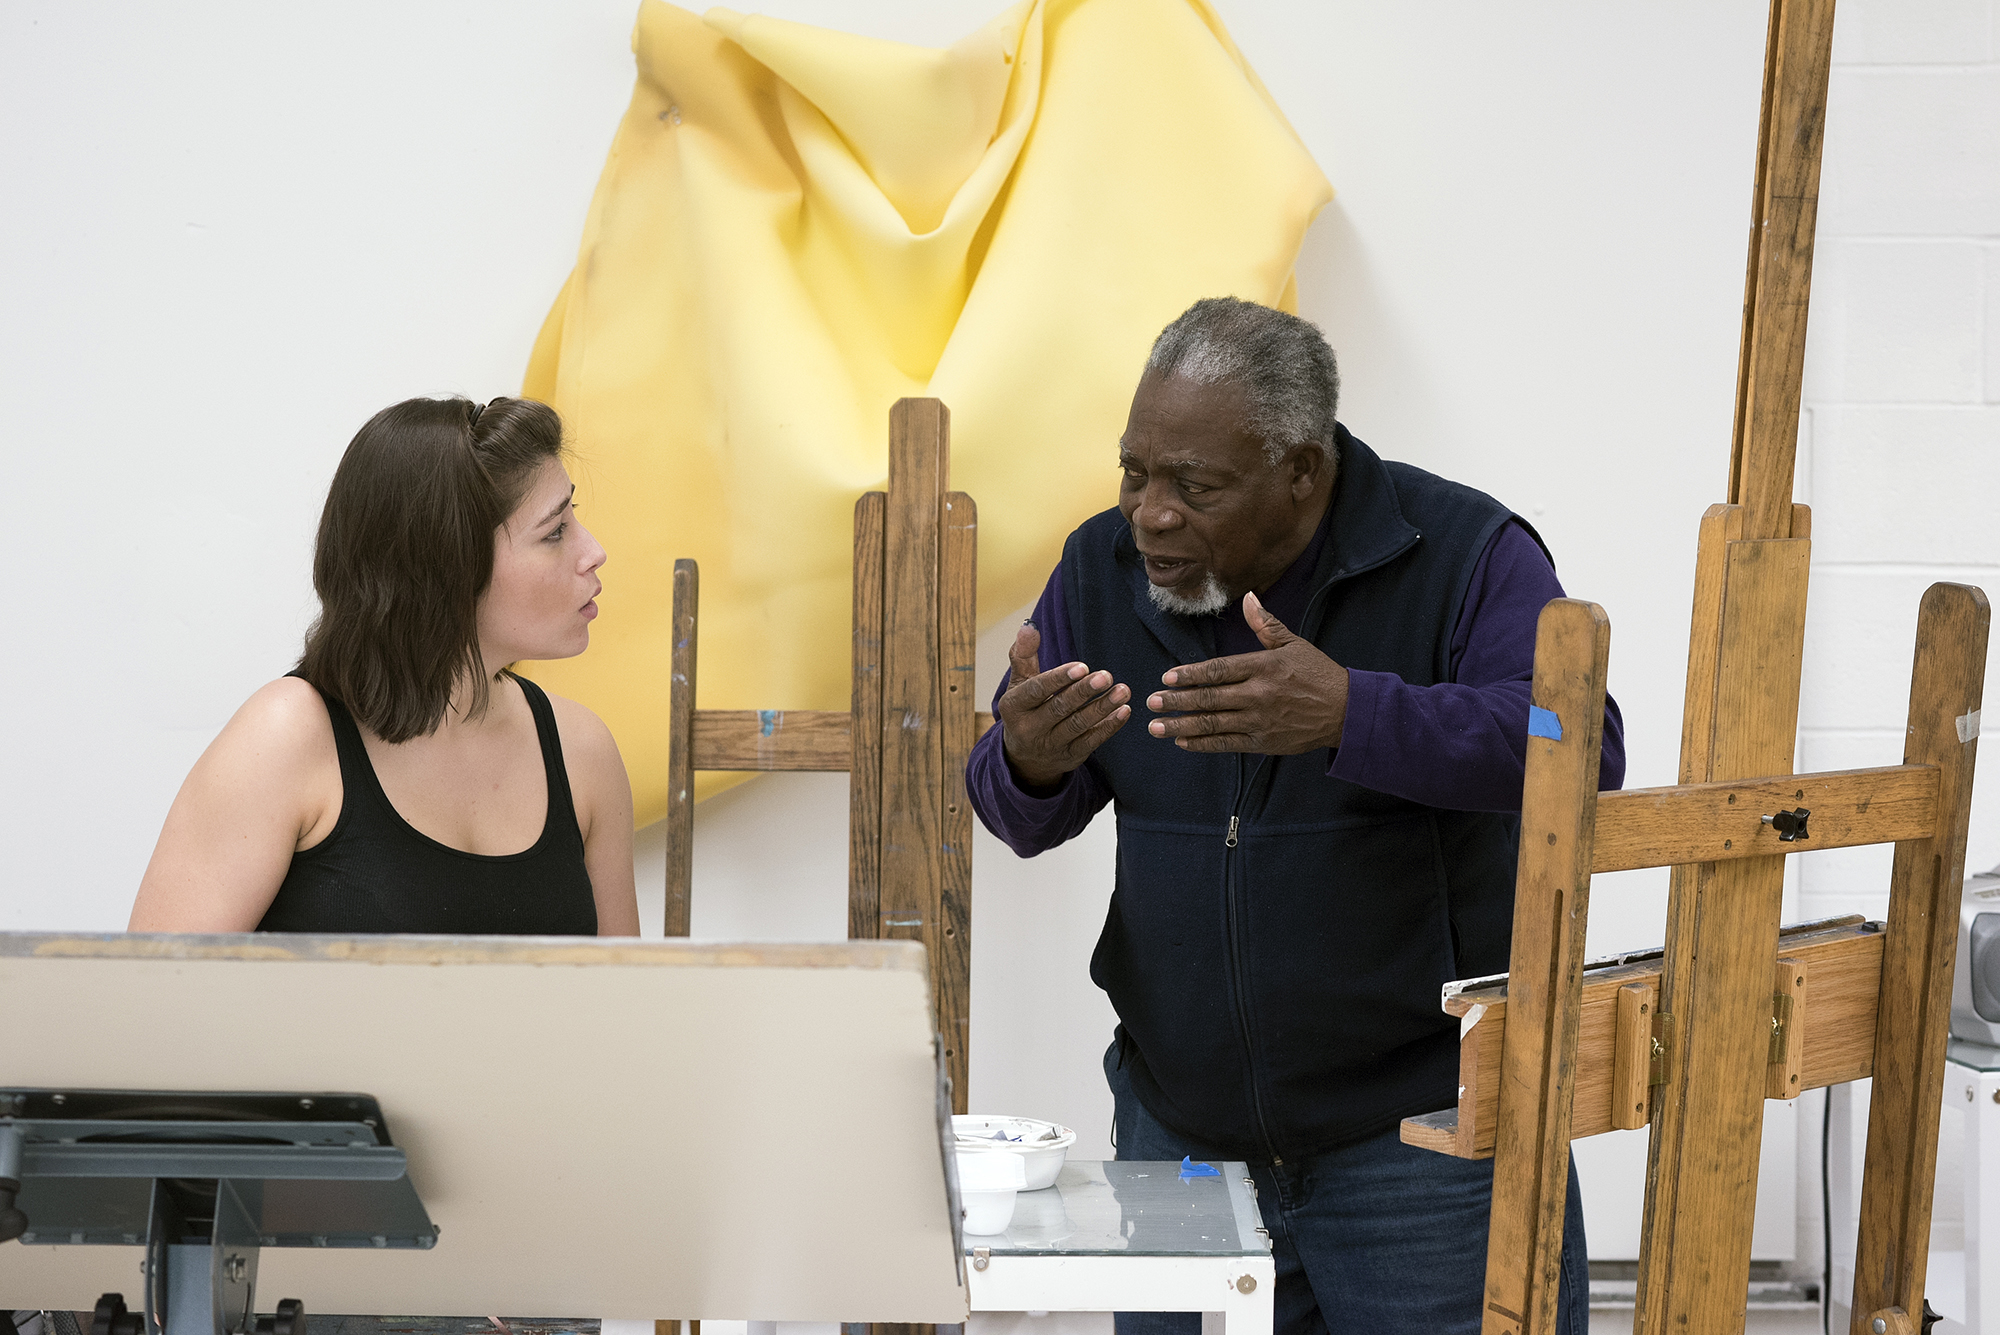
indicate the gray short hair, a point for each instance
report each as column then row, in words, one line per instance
column 1283, row 363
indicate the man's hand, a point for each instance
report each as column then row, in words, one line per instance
column 1288, row 699
column 1053, row 720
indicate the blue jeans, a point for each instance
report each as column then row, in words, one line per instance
column 1377, row 1236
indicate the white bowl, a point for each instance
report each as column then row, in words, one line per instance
column 988, row 1212
column 1040, row 1146
column 987, row 1186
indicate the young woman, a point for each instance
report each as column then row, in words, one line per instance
column 400, row 779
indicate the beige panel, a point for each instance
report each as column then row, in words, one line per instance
column 656, row 1129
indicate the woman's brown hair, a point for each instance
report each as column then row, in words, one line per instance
column 405, row 549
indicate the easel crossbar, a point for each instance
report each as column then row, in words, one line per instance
column 1715, row 822
column 820, row 740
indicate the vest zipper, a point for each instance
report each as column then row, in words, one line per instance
column 1237, row 971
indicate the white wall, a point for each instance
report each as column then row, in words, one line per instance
column 232, row 231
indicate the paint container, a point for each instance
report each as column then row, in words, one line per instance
column 987, row 1186
column 1040, row 1146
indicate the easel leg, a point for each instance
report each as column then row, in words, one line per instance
column 1722, row 934
column 864, row 775
column 1914, row 1010
column 1545, row 976
column 680, row 751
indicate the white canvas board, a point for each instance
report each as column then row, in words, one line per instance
column 657, row 1129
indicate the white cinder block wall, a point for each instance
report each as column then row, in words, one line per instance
column 1900, row 438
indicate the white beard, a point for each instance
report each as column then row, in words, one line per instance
column 1207, row 601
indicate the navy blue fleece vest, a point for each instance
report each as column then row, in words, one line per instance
column 1280, row 996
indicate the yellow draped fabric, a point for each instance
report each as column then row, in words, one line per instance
column 797, row 227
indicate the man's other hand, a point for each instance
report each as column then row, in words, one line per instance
column 1287, row 699
column 1053, row 720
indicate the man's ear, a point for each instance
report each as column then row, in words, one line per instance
column 1308, row 468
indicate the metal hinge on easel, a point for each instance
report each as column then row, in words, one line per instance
column 1781, row 1019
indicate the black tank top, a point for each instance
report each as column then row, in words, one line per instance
column 377, row 873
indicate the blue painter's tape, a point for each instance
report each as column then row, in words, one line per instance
column 1544, row 723
column 767, row 721
column 1189, row 1168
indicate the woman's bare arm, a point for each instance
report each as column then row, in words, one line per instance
column 603, row 796
column 270, row 779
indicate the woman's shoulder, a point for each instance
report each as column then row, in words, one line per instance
column 584, row 735
column 289, row 705
column 283, row 723
column 597, row 776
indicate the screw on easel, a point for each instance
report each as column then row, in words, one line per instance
column 1790, row 825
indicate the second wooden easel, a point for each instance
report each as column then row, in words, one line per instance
column 1695, row 1037
column 903, row 742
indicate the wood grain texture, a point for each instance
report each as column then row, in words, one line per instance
column 1784, row 1077
column 1631, row 1056
column 1720, row 526
column 1915, row 1007
column 1716, row 822
column 864, row 783
column 1778, row 276
column 783, row 739
column 1722, row 935
column 958, row 651
column 911, row 727
column 681, row 747
column 1763, row 648
column 773, row 739
column 1745, row 361
column 1433, row 1131
column 1551, row 910
column 1844, row 963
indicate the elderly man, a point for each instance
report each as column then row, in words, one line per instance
column 1317, row 822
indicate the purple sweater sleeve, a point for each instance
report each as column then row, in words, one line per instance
column 1026, row 821
column 1463, row 744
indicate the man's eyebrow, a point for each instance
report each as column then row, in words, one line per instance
column 1176, row 465
column 561, row 505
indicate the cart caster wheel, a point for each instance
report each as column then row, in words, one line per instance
column 12, row 1222
column 289, row 1320
column 111, row 1318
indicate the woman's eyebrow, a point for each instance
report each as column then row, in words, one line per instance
column 561, row 505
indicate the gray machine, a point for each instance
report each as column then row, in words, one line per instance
column 204, row 1181
column 1975, row 986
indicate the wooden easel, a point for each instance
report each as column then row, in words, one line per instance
column 903, row 743
column 1730, row 1012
